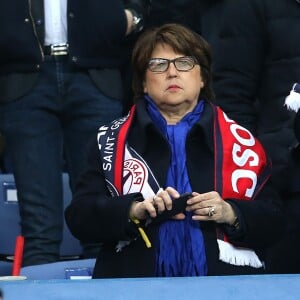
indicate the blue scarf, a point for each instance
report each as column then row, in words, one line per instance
column 180, row 250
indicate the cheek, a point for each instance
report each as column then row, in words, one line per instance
column 148, row 84
column 195, row 83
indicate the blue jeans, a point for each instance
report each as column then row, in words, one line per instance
column 48, row 127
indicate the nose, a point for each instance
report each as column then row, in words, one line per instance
column 172, row 71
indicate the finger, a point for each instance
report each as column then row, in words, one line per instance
column 151, row 212
column 209, row 196
column 196, row 205
column 166, row 197
column 150, row 208
column 158, row 204
column 172, row 192
column 201, row 212
column 206, row 211
column 211, row 211
column 205, row 214
column 197, row 198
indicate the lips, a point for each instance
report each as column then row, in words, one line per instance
column 173, row 86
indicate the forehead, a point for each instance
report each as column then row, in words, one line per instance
column 165, row 51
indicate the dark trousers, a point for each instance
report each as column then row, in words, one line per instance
column 44, row 129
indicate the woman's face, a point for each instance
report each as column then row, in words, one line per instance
column 173, row 89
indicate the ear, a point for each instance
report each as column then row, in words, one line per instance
column 145, row 88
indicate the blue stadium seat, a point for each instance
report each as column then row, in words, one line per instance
column 6, row 268
column 9, row 215
column 10, row 222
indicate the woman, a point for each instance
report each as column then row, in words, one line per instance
column 173, row 142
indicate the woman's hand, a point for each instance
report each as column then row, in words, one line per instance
column 155, row 205
column 211, row 207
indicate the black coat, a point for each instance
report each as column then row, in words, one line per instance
column 201, row 16
column 256, row 63
column 95, row 216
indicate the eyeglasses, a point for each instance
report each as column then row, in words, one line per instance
column 183, row 64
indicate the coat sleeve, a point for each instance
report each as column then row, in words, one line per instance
column 94, row 215
column 262, row 218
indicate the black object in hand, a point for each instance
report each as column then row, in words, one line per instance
column 178, row 206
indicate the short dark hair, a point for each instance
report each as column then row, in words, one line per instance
column 181, row 40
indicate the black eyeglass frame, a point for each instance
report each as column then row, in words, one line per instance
column 193, row 59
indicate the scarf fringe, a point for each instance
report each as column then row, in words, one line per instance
column 292, row 101
column 238, row 256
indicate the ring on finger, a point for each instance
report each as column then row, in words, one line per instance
column 211, row 211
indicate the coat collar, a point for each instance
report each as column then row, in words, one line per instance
column 146, row 127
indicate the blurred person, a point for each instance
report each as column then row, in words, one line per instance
column 59, row 80
column 256, row 62
column 174, row 141
column 200, row 16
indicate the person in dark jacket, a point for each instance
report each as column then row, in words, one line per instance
column 175, row 141
column 256, row 62
column 200, row 16
column 59, row 81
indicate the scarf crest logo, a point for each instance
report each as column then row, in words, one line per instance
column 134, row 176
column 126, row 172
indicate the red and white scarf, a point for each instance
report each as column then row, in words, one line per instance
column 241, row 169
